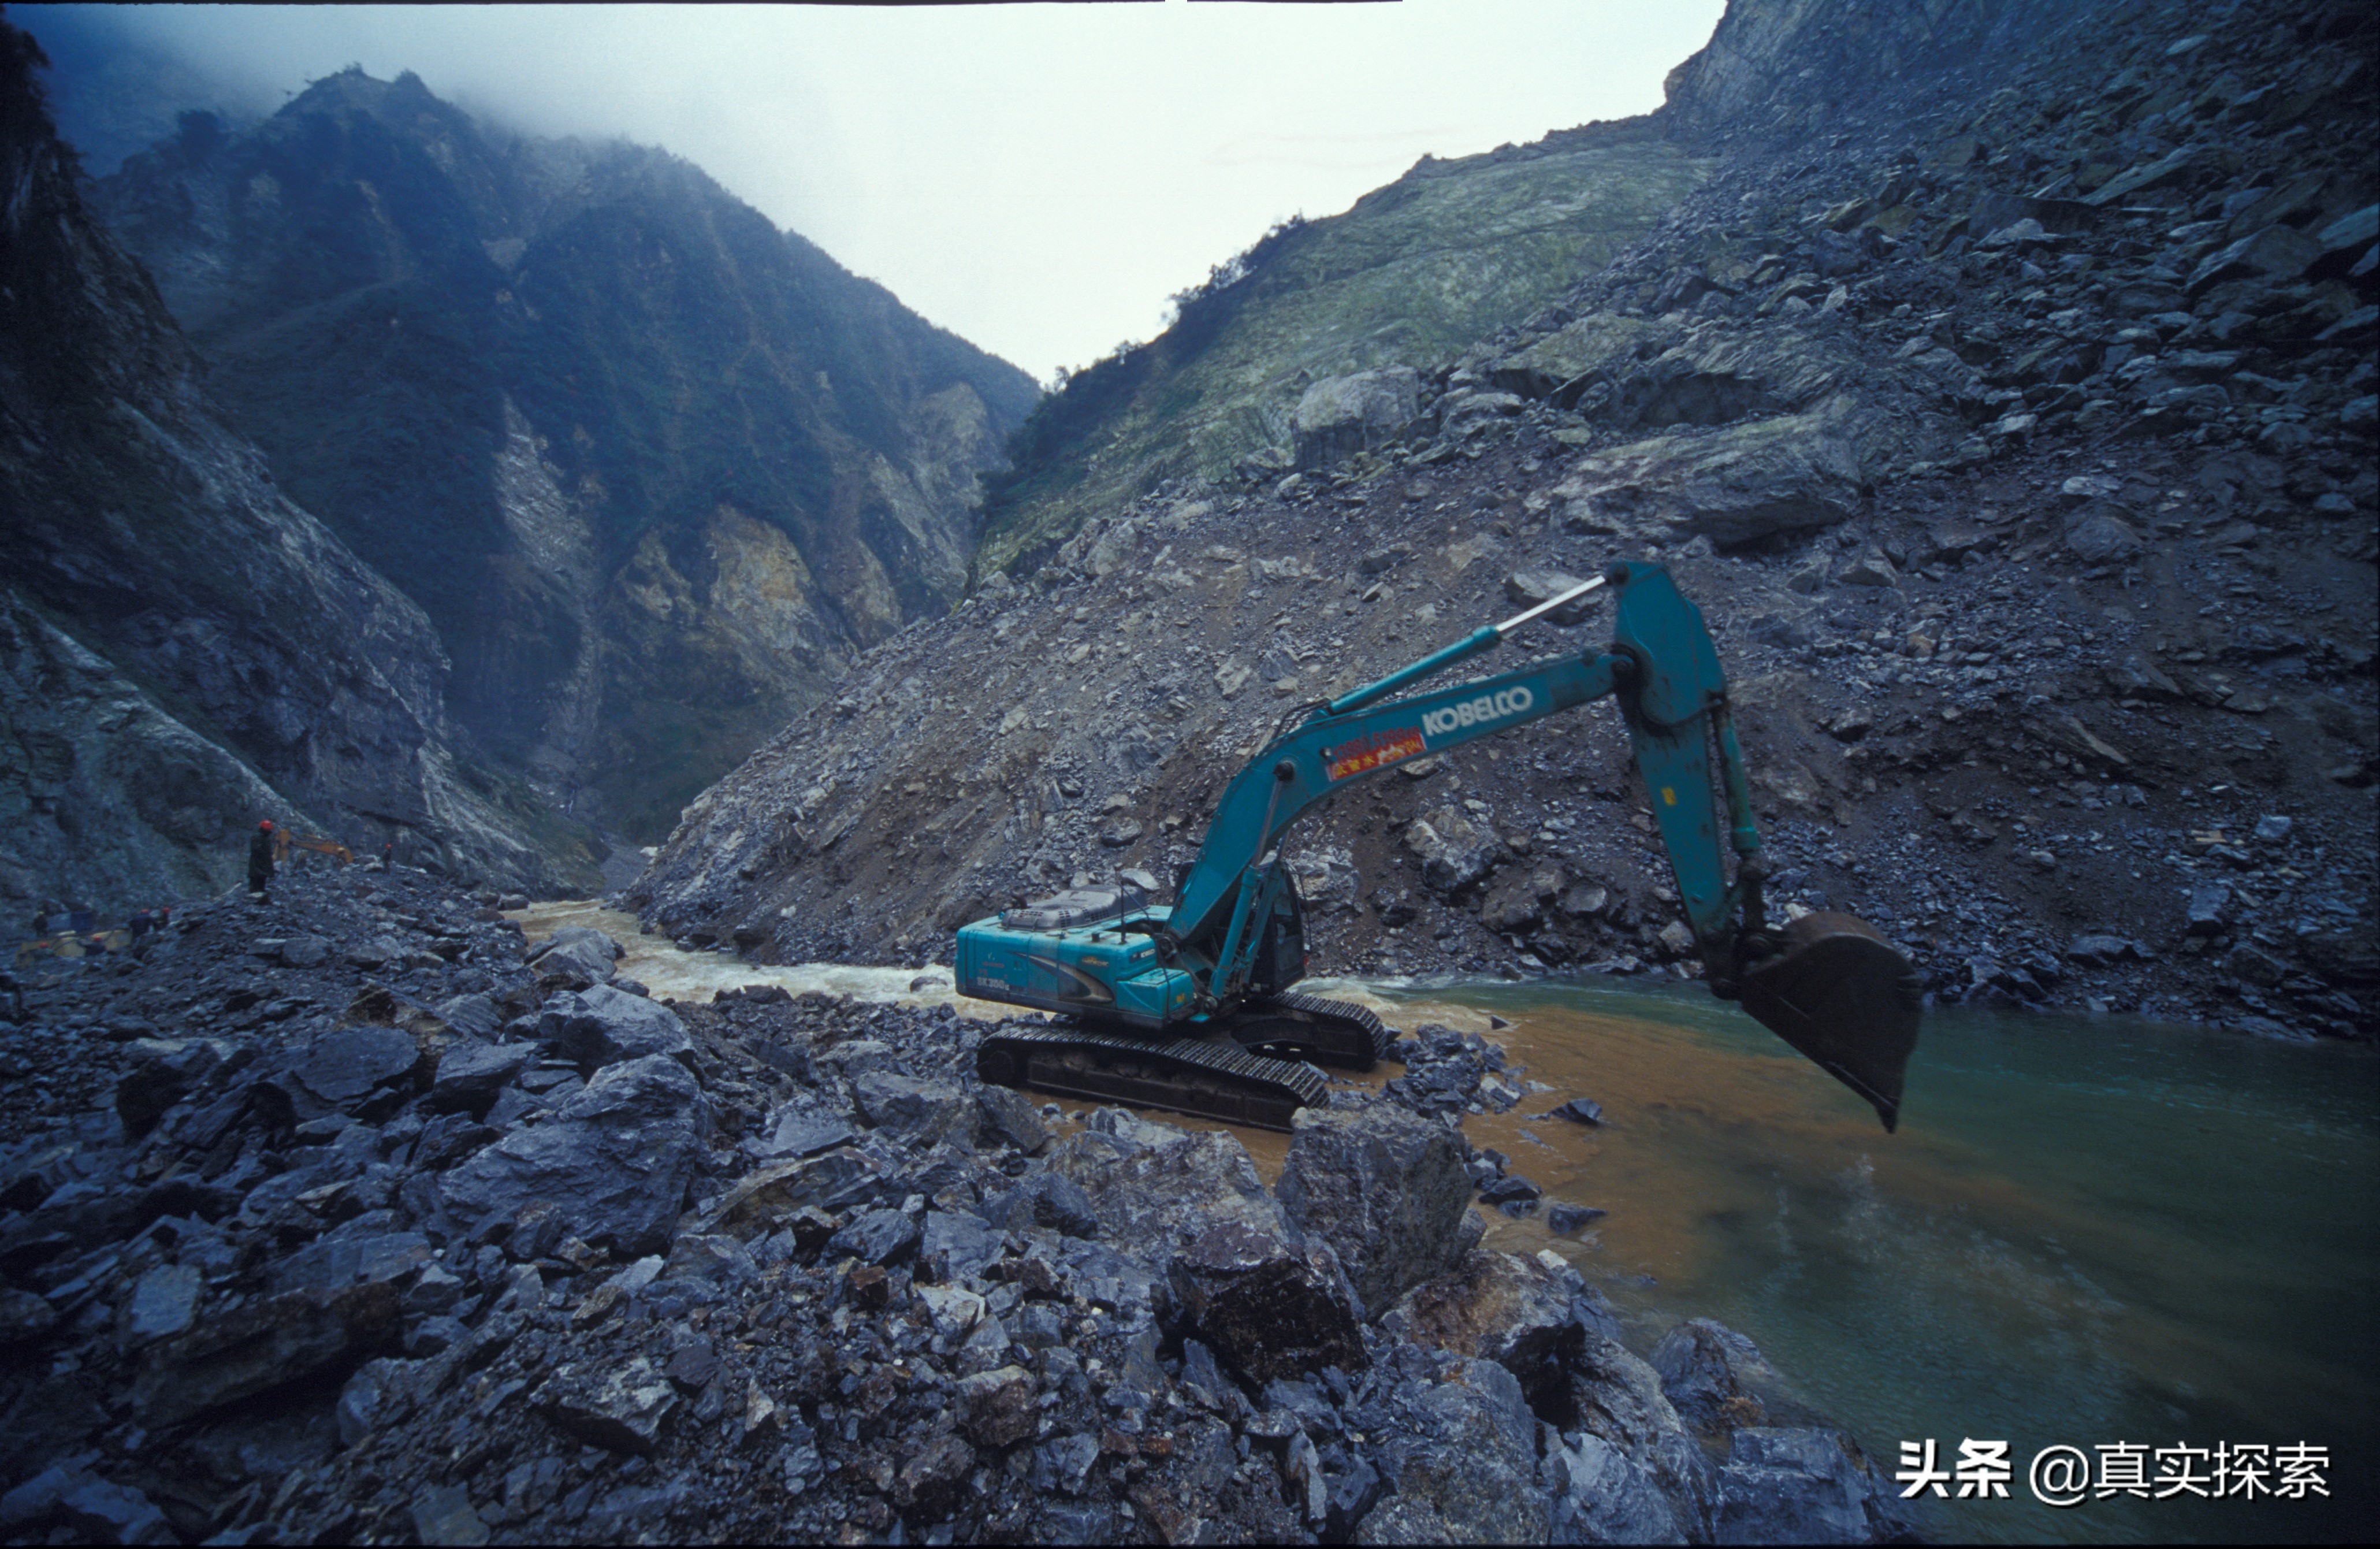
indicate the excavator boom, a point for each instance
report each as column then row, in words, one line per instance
column 1228, row 949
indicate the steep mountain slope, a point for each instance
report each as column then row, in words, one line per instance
column 654, row 469
column 1415, row 272
column 182, row 648
column 2016, row 433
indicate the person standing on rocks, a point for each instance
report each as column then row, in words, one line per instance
column 260, row 861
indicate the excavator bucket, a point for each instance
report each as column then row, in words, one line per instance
column 1842, row 994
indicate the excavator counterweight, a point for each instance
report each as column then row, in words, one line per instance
column 1189, row 1005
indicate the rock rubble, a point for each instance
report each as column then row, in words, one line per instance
column 2014, row 429
column 299, row 1249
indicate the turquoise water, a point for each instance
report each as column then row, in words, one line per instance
column 2088, row 1231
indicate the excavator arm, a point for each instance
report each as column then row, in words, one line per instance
column 1828, row 984
column 1660, row 666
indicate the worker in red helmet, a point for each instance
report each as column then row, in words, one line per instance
column 260, row 861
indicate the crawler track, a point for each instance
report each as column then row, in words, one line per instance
column 1210, row 1077
column 1335, row 1032
column 1248, row 1069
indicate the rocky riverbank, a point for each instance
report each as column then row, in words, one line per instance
column 349, row 1216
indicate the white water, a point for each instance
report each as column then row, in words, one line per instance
column 674, row 974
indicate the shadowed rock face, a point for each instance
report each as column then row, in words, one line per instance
column 1780, row 68
column 1387, row 1192
column 653, row 469
column 187, row 649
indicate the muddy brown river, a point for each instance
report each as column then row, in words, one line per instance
column 2089, row 1232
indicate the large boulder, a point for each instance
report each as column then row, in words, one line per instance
column 593, row 941
column 1386, row 1189
column 2096, row 533
column 1602, row 1494
column 1718, row 1381
column 1453, row 850
column 1342, row 415
column 996, row 1408
column 352, row 1069
column 1464, row 1456
column 1006, row 1114
column 915, row 1110
column 1502, row 1308
column 87, row 1508
column 793, row 1192
column 322, row 1307
column 1044, row 1198
column 474, row 1016
column 1271, row 1305
column 1734, row 485
column 575, row 958
column 600, row 1025
column 1463, row 412
column 622, row 1407
column 159, row 1073
column 1157, row 1198
column 471, row 1075
column 876, row 1236
column 1532, row 587
column 1802, row 1485
column 2103, row 538
column 1255, row 1288
column 957, row 1245
column 2277, row 252
column 613, row 1161
column 1600, row 344
column 1516, row 905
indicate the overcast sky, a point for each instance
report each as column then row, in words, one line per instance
column 1038, row 178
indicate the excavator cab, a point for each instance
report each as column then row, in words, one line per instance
column 1281, row 949
column 1190, row 1004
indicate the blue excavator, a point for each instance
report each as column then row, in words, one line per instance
column 1190, row 1005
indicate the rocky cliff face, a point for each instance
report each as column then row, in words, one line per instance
column 653, row 469
column 184, row 649
column 2015, row 432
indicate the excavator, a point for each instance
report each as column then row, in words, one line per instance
column 1191, row 1006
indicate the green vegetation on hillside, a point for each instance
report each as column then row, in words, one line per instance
column 1412, row 275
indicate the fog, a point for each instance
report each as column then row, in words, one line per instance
column 1038, row 178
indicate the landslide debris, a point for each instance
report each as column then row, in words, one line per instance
column 348, row 1218
column 2012, row 422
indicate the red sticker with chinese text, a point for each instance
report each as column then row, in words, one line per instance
column 1368, row 753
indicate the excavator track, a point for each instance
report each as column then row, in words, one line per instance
column 1334, row 1033
column 1208, row 1077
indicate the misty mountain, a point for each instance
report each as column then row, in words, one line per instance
column 653, row 469
column 184, row 650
